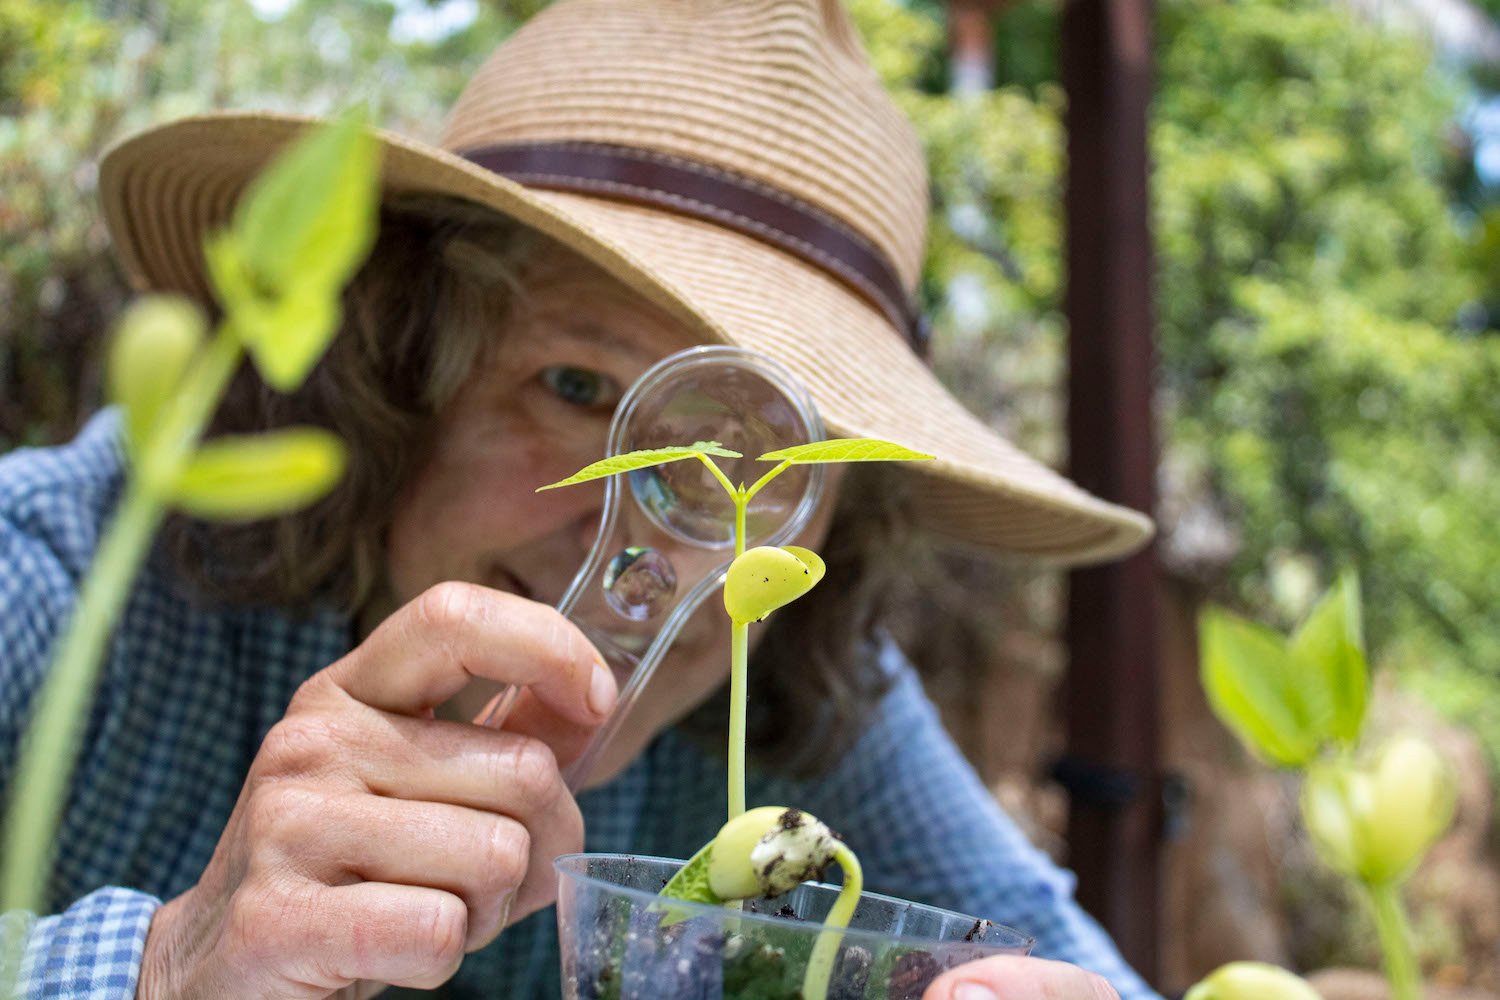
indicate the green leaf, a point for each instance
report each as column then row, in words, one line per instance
column 845, row 450
column 309, row 219
column 284, row 335
column 631, row 461
column 690, row 884
column 1330, row 647
column 242, row 478
column 1254, row 688
column 301, row 230
column 154, row 344
column 765, row 578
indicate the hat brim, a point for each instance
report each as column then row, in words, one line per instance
column 163, row 189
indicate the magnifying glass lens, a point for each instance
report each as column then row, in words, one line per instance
column 639, row 583
column 744, row 411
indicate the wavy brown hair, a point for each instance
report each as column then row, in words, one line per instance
column 418, row 316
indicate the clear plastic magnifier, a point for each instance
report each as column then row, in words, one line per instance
column 666, row 534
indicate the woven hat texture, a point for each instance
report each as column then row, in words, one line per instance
column 778, row 94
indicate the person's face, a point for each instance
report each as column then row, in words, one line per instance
column 536, row 410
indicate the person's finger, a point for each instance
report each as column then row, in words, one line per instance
column 428, row 649
column 524, row 780
column 1013, row 977
column 438, row 760
column 507, row 773
column 332, row 936
column 477, row 856
column 535, row 718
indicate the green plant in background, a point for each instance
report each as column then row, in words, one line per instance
column 1324, row 391
column 1326, row 387
column 770, row 850
column 297, row 236
column 1299, row 703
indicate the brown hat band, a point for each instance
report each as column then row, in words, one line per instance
column 713, row 194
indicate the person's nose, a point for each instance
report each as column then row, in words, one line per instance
column 586, row 523
column 554, row 463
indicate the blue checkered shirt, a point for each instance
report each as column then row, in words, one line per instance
column 188, row 692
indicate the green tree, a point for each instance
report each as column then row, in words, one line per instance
column 1312, row 276
column 1318, row 388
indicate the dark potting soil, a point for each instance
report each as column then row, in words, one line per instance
column 633, row 957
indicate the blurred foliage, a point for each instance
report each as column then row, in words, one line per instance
column 1327, row 396
column 1490, row 7
column 1327, row 371
column 1318, row 375
column 75, row 76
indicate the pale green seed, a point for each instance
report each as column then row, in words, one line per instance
column 765, row 578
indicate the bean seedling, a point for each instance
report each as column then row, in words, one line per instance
column 768, row 851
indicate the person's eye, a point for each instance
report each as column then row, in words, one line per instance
column 581, row 387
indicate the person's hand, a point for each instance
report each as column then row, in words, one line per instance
column 1011, row 977
column 373, row 843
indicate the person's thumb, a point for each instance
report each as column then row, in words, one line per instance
column 1013, row 977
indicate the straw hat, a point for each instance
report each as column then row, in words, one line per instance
column 735, row 162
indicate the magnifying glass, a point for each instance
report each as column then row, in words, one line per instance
column 666, row 533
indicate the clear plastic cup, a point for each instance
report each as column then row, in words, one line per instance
column 621, row 941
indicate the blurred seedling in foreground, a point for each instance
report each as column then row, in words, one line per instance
column 300, row 231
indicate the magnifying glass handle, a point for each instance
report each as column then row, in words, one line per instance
column 498, row 709
column 633, row 671
column 622, row 663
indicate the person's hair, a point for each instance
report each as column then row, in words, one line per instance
column 422, row 311
column 418, row 315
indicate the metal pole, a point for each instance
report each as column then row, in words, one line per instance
column 1112, row 762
